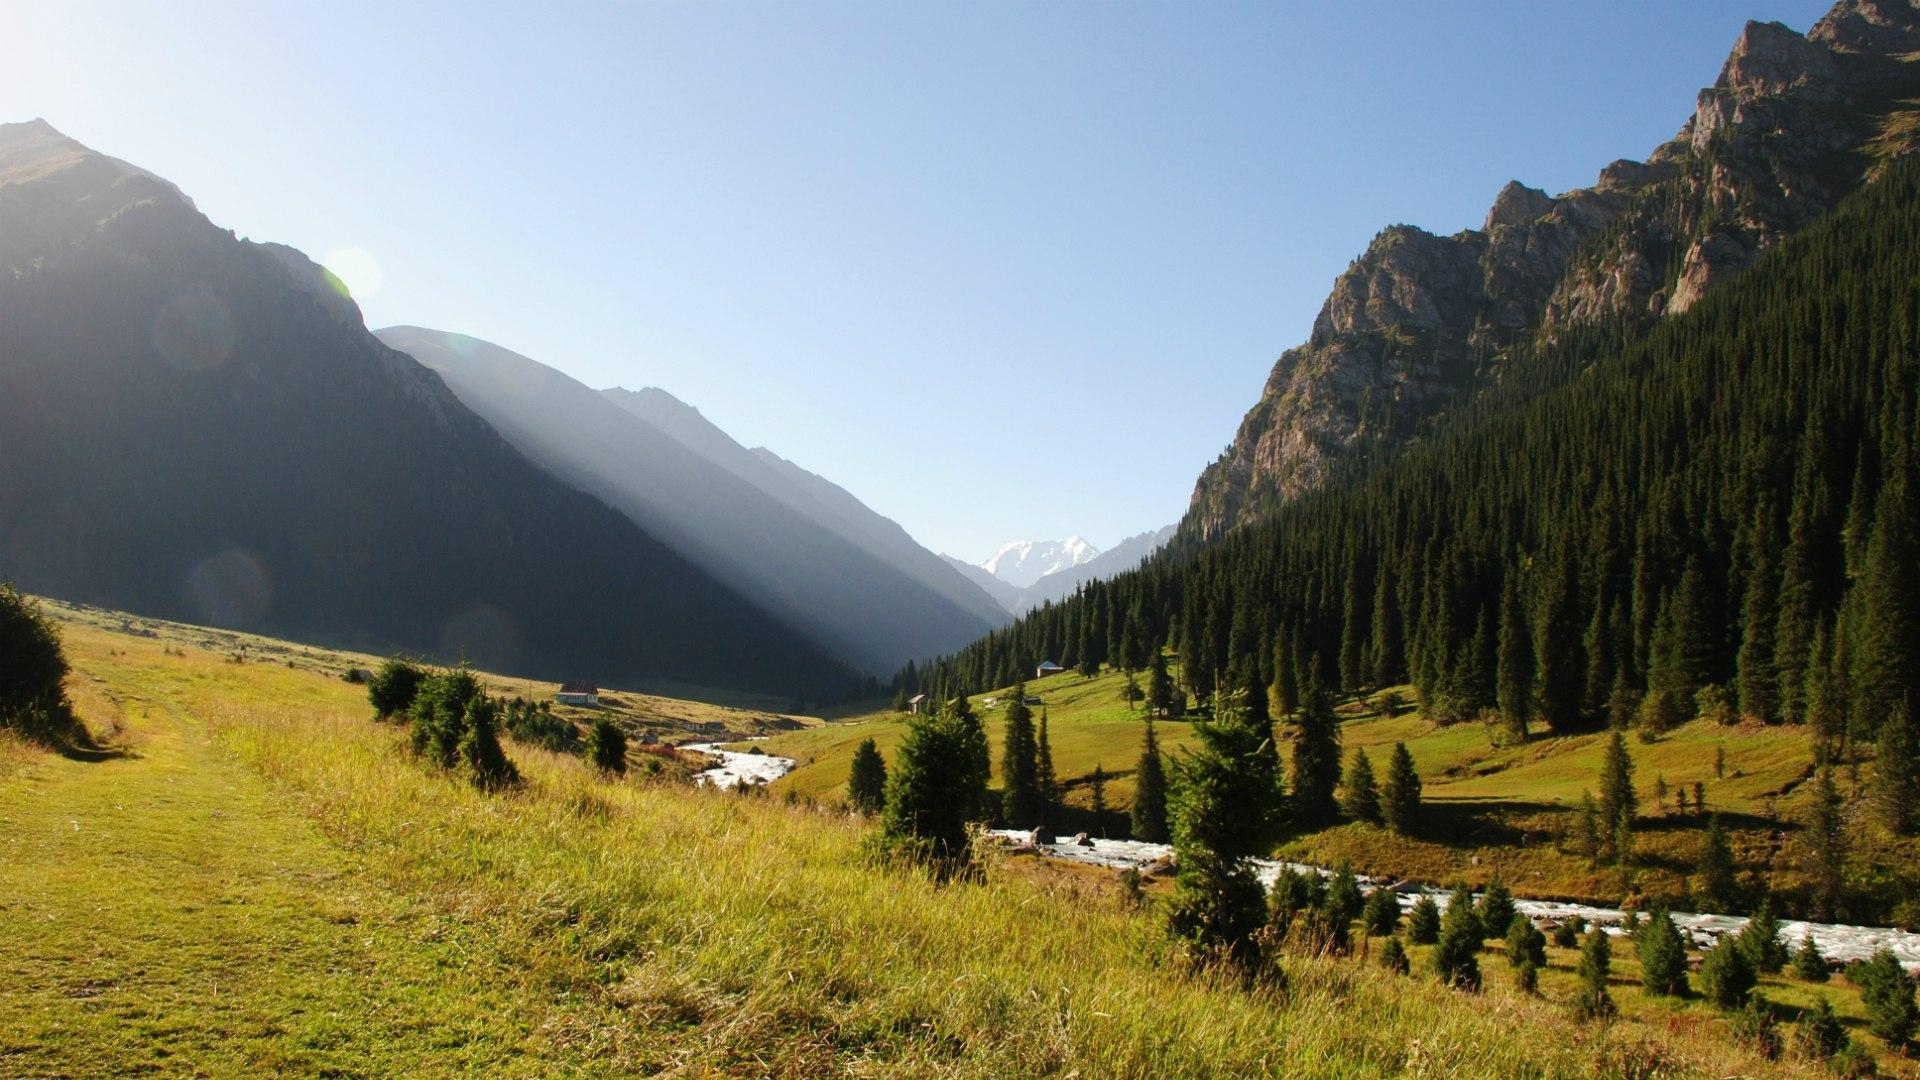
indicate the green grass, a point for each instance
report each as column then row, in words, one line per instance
column 266, row 883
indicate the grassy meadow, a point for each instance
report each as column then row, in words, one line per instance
column 259, row 879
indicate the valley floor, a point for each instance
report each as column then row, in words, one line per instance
column 262, row 881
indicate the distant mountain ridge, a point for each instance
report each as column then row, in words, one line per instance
column 1420, row 323
column 199, row 427
column 1061, row 583
column 747, row 521
column 1020, row 563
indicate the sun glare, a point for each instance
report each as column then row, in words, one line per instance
column 357, row 269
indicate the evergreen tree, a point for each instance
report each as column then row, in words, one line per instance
column 1423, row 921
column 1097, row 792
column 1044, row 778
column 1760, row 940
column 1823, row 709
column 1514, row 682
column 1381, row 915
column 1887, row 992
column 1226, row 806
column 1896, row 770
column 607, row 746
column 1150, row 792
column 1825, row 839
column 1618, row 803
column 1393, row 957
column 1316, row 760
column 1455, row 957
column 1821, row 1035
column 1400, row 798
column 1562, row 657
column 1663, row 955
column 1808, row 964
column 938, row 785
column 1758, row 678
column 1159, row 685
column 1495, row 910
column 1526, row 944
column 1885, row 603
column 867, row 779
column 1727, row 976
column 1587, row 840
column 1713, row 880
column 391, row 690
column 1341, row 907
column 1286, row 685
column 1358, row 795
column 479, row 749
column 1596, row 962
column 1021, row 803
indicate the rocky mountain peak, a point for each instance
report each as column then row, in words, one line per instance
column 1791, row 126
column 1874, row 27
column 1518, row 204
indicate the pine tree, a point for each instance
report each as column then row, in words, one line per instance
column 1760, row 940
column 1713, row 879
column 1758, row 680
column 1823, row 710
column 1393, row 957
column 1044, row 778
column 1021, row 804
column 1286, row 685
column 1526, row 944
column 1808, row 964
column 867, row 779
column 1887, row 992
column 1159, row 685
column 1886, row 603
column 1316, row 760
column 1226, row 807
column 1358, row 795
column 1340, row 908
column 1097, row 792
column 1400, row 798
column 1514, row 683
column 486, row 762
column 391, row 690
column 1663, row 955
column 1896, row 770
column 1455, row 956
column 1618, row 803
column 1727, row 976
column 1596, row 962
column 1423, row 921
column 1825, row 841
column 938, row 785
column 1495, row 911
column 1821, row 1035
column 607, row 746
column 1150, row 792
column 1562, row 655
column 1381, row 915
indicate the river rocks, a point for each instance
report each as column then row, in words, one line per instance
column 1082, row 840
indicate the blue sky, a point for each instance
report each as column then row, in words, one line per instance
column 1002, row 270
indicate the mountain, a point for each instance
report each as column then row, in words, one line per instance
column 1007, row 596
column 200, row 427
column 1420, row 325
column 813, row 496
column 1020, row 563
column 1118, row 559
column 811, row 577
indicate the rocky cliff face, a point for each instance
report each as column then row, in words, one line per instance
column 1420, row 322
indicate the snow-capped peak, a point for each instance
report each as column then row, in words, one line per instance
column 1020, row 563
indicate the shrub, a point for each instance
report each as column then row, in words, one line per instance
column 1760, row 938
column 1755, row 1027
column 1714, row 702
column 392, row 689
column 1393, row 957
column 33, row 696
column 1496, row 908
column 1341, row 908
column 607, row 746
column 536, row 725
column 456, row 724
column 1567, row 934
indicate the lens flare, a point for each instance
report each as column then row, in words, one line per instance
column 230, row 589
column 357, row 271
column 193, row 332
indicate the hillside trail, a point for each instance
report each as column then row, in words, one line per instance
column 165, row 910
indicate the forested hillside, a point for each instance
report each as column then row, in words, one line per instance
column 1717, row 515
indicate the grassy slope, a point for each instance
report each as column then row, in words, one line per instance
column 265, row 883
column 1489, row 808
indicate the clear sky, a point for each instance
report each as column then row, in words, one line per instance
column 1001, row 270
